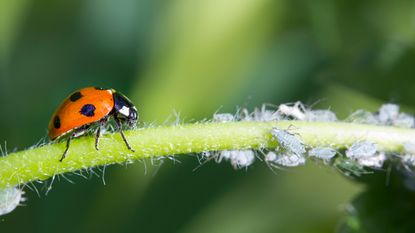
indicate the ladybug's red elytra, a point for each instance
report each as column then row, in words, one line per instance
column 89, row 106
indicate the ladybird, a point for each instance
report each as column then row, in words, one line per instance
column 91, row 106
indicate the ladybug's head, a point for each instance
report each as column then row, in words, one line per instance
column 125, row 109
column 132, row 118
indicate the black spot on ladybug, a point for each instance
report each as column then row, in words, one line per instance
column 88, row 110
column 100, row 88
column 75, row 96
column 56, row 122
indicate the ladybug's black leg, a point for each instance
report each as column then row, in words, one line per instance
column 97, row 137
column 119, row 128
column 68, row 142
column 76, row 133
column 101, row 124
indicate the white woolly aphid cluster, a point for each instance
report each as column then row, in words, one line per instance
column 292, row 152
column 388, row 114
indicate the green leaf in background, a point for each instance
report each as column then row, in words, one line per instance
column 11, row 14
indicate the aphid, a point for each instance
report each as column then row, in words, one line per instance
column 288, row 141
column 320, row 115
column 270, row 156
column 387, row 113
column 238, row 158
column 264, row 114
column 225, row 155
column 375, row 161
column 10, row 198
column 89, row 106
column 362, row 149
column 363, row 117
column 285, row 160
column 404, row 120
column 324, row 153
column 242, row 158
column 300, row 112
column 223, row 117
column 297, row 111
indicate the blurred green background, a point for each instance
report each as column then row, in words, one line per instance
column 195, row 57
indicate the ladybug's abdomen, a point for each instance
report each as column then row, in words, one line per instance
column 81, row 108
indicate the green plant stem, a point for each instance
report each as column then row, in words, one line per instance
column 43, row 162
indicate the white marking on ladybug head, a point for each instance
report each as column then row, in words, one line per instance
column 125, row 111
